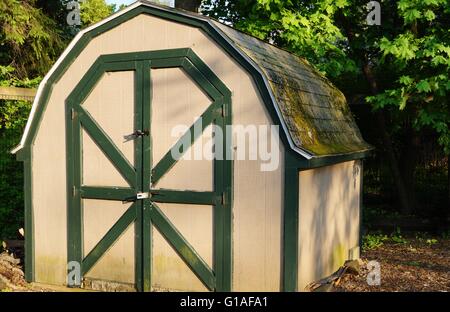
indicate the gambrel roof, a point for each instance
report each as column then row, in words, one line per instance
column 316, row 113
column 313, row 113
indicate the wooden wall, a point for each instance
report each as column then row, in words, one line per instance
column 257, row 208
column 329, row 219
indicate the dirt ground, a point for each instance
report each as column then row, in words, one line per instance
column 407, row 267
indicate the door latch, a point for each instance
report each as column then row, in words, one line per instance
column 138, row 196
column 142, row 195
column 136, row 134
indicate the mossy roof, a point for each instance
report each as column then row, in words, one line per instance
column 315, row 112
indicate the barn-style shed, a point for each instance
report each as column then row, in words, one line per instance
column 104, row 190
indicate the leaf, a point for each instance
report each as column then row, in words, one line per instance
column 429, row 15
column 423, row 86
column 403, row 101
column 341, row 3
column 411, row 15
column 405, row 80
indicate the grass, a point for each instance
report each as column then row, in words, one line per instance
column 374, row 241
column 377, row 239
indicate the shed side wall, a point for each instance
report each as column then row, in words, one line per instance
column 328, row 219
column 257, row 196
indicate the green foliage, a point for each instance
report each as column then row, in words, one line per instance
column 432, row 241
column 11, row 185
column 29, row 40
column 408, row 55
column 376, row 240
column 308, row 30
column 93, row 11
column 13, row 117
column 14, row 114
column 425, row 238
column 397, row 237
column 373, row 241
column 421, row 56
column 33, row 34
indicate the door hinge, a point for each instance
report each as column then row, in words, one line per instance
column 224, row 111
column 72, row 113
column 220, row 111
column 223, row 198
column 74, row 190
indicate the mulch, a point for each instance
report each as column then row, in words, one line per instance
column 415, row 266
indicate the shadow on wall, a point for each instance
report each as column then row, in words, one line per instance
column 329, row 219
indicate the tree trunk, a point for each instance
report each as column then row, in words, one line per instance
column 408, row 162
column 403, row 194
column 188, row 5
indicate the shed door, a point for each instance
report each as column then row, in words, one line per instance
column 120, row 175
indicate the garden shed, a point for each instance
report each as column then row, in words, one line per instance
column 105, row 194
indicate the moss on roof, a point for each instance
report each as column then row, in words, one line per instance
column 315, row 112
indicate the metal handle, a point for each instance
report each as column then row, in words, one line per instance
column 135, row 135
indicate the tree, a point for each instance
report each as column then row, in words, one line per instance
column 401, row 67
column 30, row 40
column 93, row 11
column 33, row 33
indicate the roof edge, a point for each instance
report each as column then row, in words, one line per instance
column 44, row 81
column 229, row 46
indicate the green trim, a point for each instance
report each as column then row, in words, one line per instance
column 167, row 63
column 291, row 222
column 147, row 226
column 29, row 224
column 74, row 203
column 111, row 193
column 184, row 197
column 361, row 208
column 223, row 179
column 108, row 240
column 201, row 80
column 107, row 146
column 208, row 74
column 138, row 174
column 304, row 164
column 168, row 161
column 183, row 248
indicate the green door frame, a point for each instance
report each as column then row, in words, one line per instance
column 140, row 175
